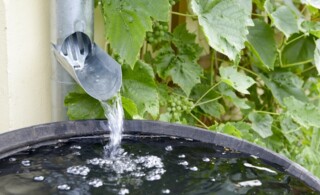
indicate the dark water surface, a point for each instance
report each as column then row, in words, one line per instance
column 145, row 165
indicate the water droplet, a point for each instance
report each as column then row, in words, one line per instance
column 26, row 163
column 165, row 191
column 168, row 148
column 123, row 191
column 194, row 168
column 181, row 156
column 95, row 183
column 64, row 187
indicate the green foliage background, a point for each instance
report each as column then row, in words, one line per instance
column 246, row 68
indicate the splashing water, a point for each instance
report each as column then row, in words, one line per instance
column 114, row 112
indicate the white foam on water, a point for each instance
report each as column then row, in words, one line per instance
column 64, row 187
column 75, row 147
column 168, row 148
column 181, row 156
column 206, row 159
column 194, row 168
column 95, row 182
column 26, row 163
column 78, row 170
column 165, row 191
column 38, row 178
column 184, row 163
column 123, row 191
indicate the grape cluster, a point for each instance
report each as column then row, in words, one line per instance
column 173, row 2
column 177, row 105
column 157, row 35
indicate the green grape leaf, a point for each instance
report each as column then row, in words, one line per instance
column 213, row 108
column 305, row 114
column 288, row 128
column 314, row 3
column 299, row 51
column 262, row 43
column 239, row 81
column 185, row 73
column 284, row 84
column 230, row 129
column 126, row 24
column 139, row 86
column 186, row 42
column 224, row 23
column 230, row 95
column 283, row 18
column 130, row 108
column 261, row 123
column 81, row 106
column 317, row 55
column 311, row 27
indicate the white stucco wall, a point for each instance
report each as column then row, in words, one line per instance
column 25, row 70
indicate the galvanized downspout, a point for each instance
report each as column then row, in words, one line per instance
column 77, row 58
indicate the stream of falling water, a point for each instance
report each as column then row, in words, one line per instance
column 114, row 112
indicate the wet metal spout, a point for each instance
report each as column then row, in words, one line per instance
column 67, row 17
column 76, row 56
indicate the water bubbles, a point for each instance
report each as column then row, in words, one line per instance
column 75, row 147
column 26, row 163
column 138, row 174
column 184, row 163
column 194, row 168
column 213, row 179
column 165, row 191
column 12, row 159
column 155, row 174
column 95, row 183
column 99, row 161
column 64, row 187
column 181, row 156
column 78, row 170
column 150, row 161
column 168, row 148
column 38, row 178
column 123, row 191
column 206, row 159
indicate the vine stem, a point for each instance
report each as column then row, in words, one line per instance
column 295, row 39
column 250, row 71
column 197, row 102
column 266, row 112
column 199, row 121
column 181, row 14
column 297, row 63
column 205, row 102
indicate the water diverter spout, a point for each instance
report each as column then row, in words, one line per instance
column 89, row 65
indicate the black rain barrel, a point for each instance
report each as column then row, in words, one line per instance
column 22, row 139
